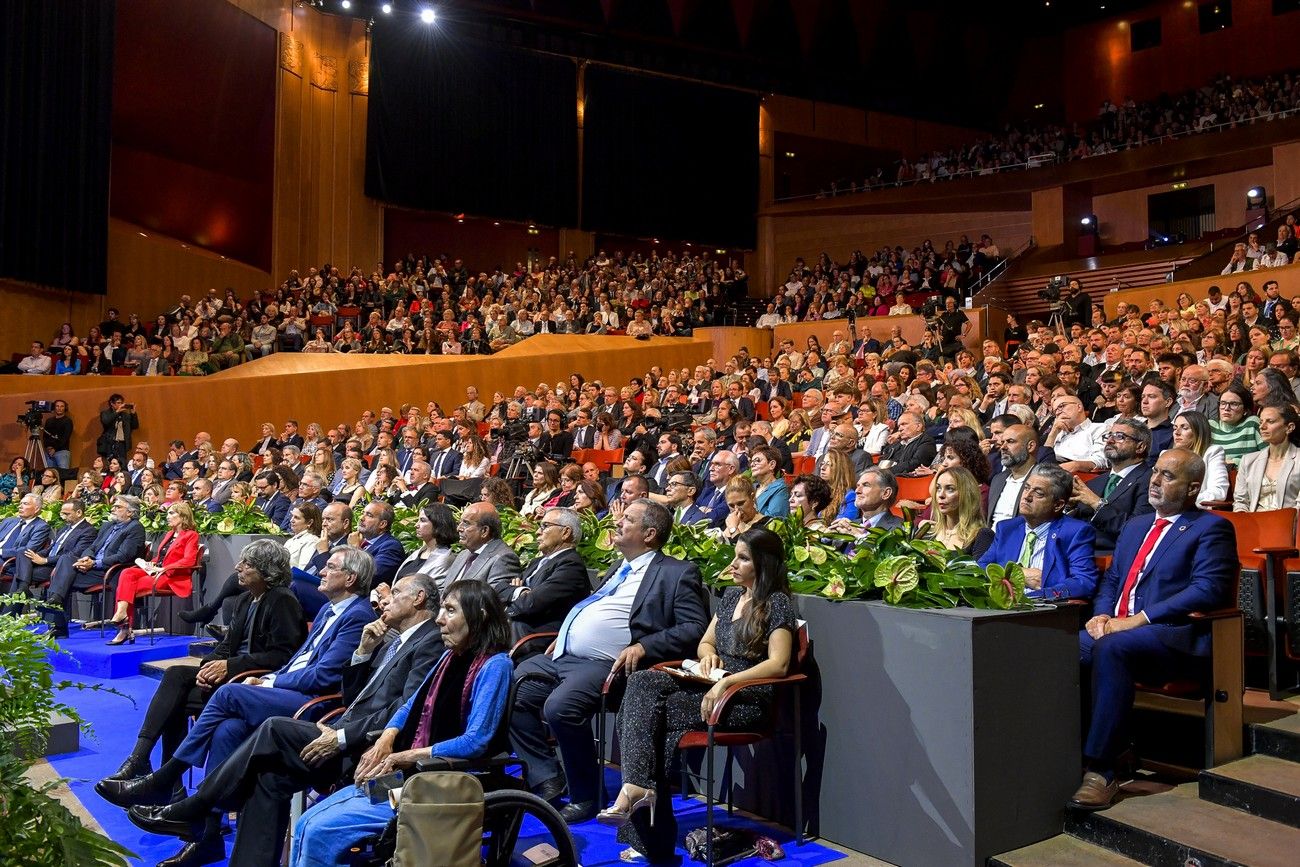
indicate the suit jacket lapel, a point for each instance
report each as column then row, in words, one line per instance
column 651, row 573
column 1170, row 539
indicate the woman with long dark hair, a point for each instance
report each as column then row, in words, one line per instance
column 750, row 637
column 1270, row 387
column 454, row 715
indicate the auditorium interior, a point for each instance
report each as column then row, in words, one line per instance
column 613, row 358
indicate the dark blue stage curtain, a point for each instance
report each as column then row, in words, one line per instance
column 462, row 126
column 669, row 158
column 56, row 85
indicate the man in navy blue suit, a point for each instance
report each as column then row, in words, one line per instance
column 273, row 503
column 372, row 536
column 119, row 541
column 23, row 532
column 36, row 565
column 1167, row 565
column 679, row 495
column 1055, row 549
column 237, row 709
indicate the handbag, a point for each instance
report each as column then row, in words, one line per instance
column 439, row 821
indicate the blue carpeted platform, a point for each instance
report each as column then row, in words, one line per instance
column 90, row 656
column 115, row 722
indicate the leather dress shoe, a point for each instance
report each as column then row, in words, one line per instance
column 208, row 850
column 160, row 820
column 551, row 790
column 216, row 631
column 142, row 791
column 131, row 768
column 1095, row 793
column 578, row 811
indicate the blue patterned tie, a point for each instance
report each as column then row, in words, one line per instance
column 562, row 639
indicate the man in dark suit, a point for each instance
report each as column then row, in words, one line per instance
column 1019, row 453
column 1055, row 550
column 119, row 541
column 444, row 463
column 584, row 432
column 273, row 503
column 235, row 710
column 1167, row 565
column 372, row 535
column 649, row 608
column 1110, row 500
column 484, row 557
column 285, row 755
column 118, row 422
column 36, row 566
column 669, row 447
column 290, row 435
column 420, row 489
column 266, row 629
column 23, row 532
column 875, row 495
column 679, row 496
column 913, row 448
column 555, row 581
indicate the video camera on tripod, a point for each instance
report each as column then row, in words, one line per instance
column 1051, row 293
column 36, row 410
column 930, row 311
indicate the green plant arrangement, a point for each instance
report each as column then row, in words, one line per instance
column 234, row 519
column 37, row 828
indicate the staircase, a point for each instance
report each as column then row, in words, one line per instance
column 1245, row 812
column 1018, row 291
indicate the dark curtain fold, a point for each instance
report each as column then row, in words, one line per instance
column 461, row 126
column 56, row 58
column 669, row 158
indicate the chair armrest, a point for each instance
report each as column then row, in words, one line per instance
column 337, row 712
column 301, row 712
column 1217, row 505
column 1217, row 614
column 1280, row 551
column 718, row 708
column 529, row 639
column 251, row 673
column 610, row 680
column 667, row 663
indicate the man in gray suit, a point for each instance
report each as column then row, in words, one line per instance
column 227, row 471
column 485, row 558
column 876, row 492
column 286, row 755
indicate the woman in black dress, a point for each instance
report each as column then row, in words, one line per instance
column 751, row 636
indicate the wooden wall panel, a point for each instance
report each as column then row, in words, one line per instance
column 913, row 329
column 1288, row 280
column 37, row 313
column 330, row 388
column 728, row 341
column 1123, row 216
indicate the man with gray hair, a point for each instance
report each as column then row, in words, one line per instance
column 555, row 581
column 485, row 556
column 119, row 541
column 237, row 709
column 1055, row 550
column 25, row 531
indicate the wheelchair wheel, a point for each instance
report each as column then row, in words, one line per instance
column 517, row 825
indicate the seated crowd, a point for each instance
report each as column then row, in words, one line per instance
column 1102, row 440
column 1225, row 103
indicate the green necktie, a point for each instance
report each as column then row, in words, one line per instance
column 1111, row 484
column 1027, row 552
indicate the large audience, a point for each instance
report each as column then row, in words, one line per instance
column 1042, row 450
column 1225, row 103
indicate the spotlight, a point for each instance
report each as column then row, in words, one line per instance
column 388, row 8
column 1088, row 224
column 427, row 16
column 1256, row 197
column 346, row 4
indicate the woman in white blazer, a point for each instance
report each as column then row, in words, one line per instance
column 1192, row 431
column 305, row 524
column 1270, row 478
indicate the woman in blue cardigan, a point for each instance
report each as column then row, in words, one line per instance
column 454, row 714
column 772, row 493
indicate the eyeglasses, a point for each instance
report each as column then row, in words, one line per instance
column 1119, row 437
column 1232, row 404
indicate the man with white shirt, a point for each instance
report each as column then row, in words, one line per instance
column 584, row 432
column 38, row 363
column 1194, row 393
column 1019, row 452
column 820, row 440
column 649, row 608
column 994, row 401
column 769, row 319
column 1075, row 440
column 669, row 446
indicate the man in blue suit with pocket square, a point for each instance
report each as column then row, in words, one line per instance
column 1167, row 565
column 237, row 709
column 1055, row 549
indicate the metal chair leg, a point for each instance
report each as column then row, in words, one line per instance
column 798, row 769
column 708, row 801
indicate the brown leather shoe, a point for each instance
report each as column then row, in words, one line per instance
column 1094, row 793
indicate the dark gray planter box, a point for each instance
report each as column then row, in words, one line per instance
column 223, row 553
column 942, row 736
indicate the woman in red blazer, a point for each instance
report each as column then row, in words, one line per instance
column 177, row 553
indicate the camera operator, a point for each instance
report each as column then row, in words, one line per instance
column 118, row 421
column 1077, row 306
column 56, row 433
column 953, row 326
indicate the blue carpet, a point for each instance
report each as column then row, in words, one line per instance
column 91, row 657
column 115, row 722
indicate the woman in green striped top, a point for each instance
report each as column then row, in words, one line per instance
column 1236, row 429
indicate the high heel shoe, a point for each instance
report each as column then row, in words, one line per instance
column 616, row 818
column 124, row 636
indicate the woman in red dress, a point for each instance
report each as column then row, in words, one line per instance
column 177, row 553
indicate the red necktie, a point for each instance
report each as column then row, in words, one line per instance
column 1133, row 571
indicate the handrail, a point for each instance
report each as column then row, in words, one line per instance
column 1270, row 215
column 1000, row 270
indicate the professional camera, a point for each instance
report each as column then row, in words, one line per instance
column 678, row 422
column 1051, row 293
column 515, row 431
column 35, row 410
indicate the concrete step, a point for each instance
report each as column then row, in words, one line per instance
column 1261, row 785
column 1171, row 827
column 1279, row 738
column 1062, row 851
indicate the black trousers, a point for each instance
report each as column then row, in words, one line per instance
column 64, row 580
column 178, row 698
column 259, row 778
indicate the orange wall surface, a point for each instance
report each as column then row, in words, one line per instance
column 913, row 329
column 1123, row 216
column 1288, row 280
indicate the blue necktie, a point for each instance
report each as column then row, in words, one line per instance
column 109, row 538
column 58, row 543
column 303, row 656
column 562, row 639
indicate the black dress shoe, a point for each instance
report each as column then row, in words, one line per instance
column 160, row 820
column 197, row 615
column 132, row 768
column 208, row 850
column 551, row 790
column 578, row 811
column 217, row 632
column 142, row 791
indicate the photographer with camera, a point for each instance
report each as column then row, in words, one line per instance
column 118, row 421
column 56, row 433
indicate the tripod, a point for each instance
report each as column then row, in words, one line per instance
column 34, row 454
